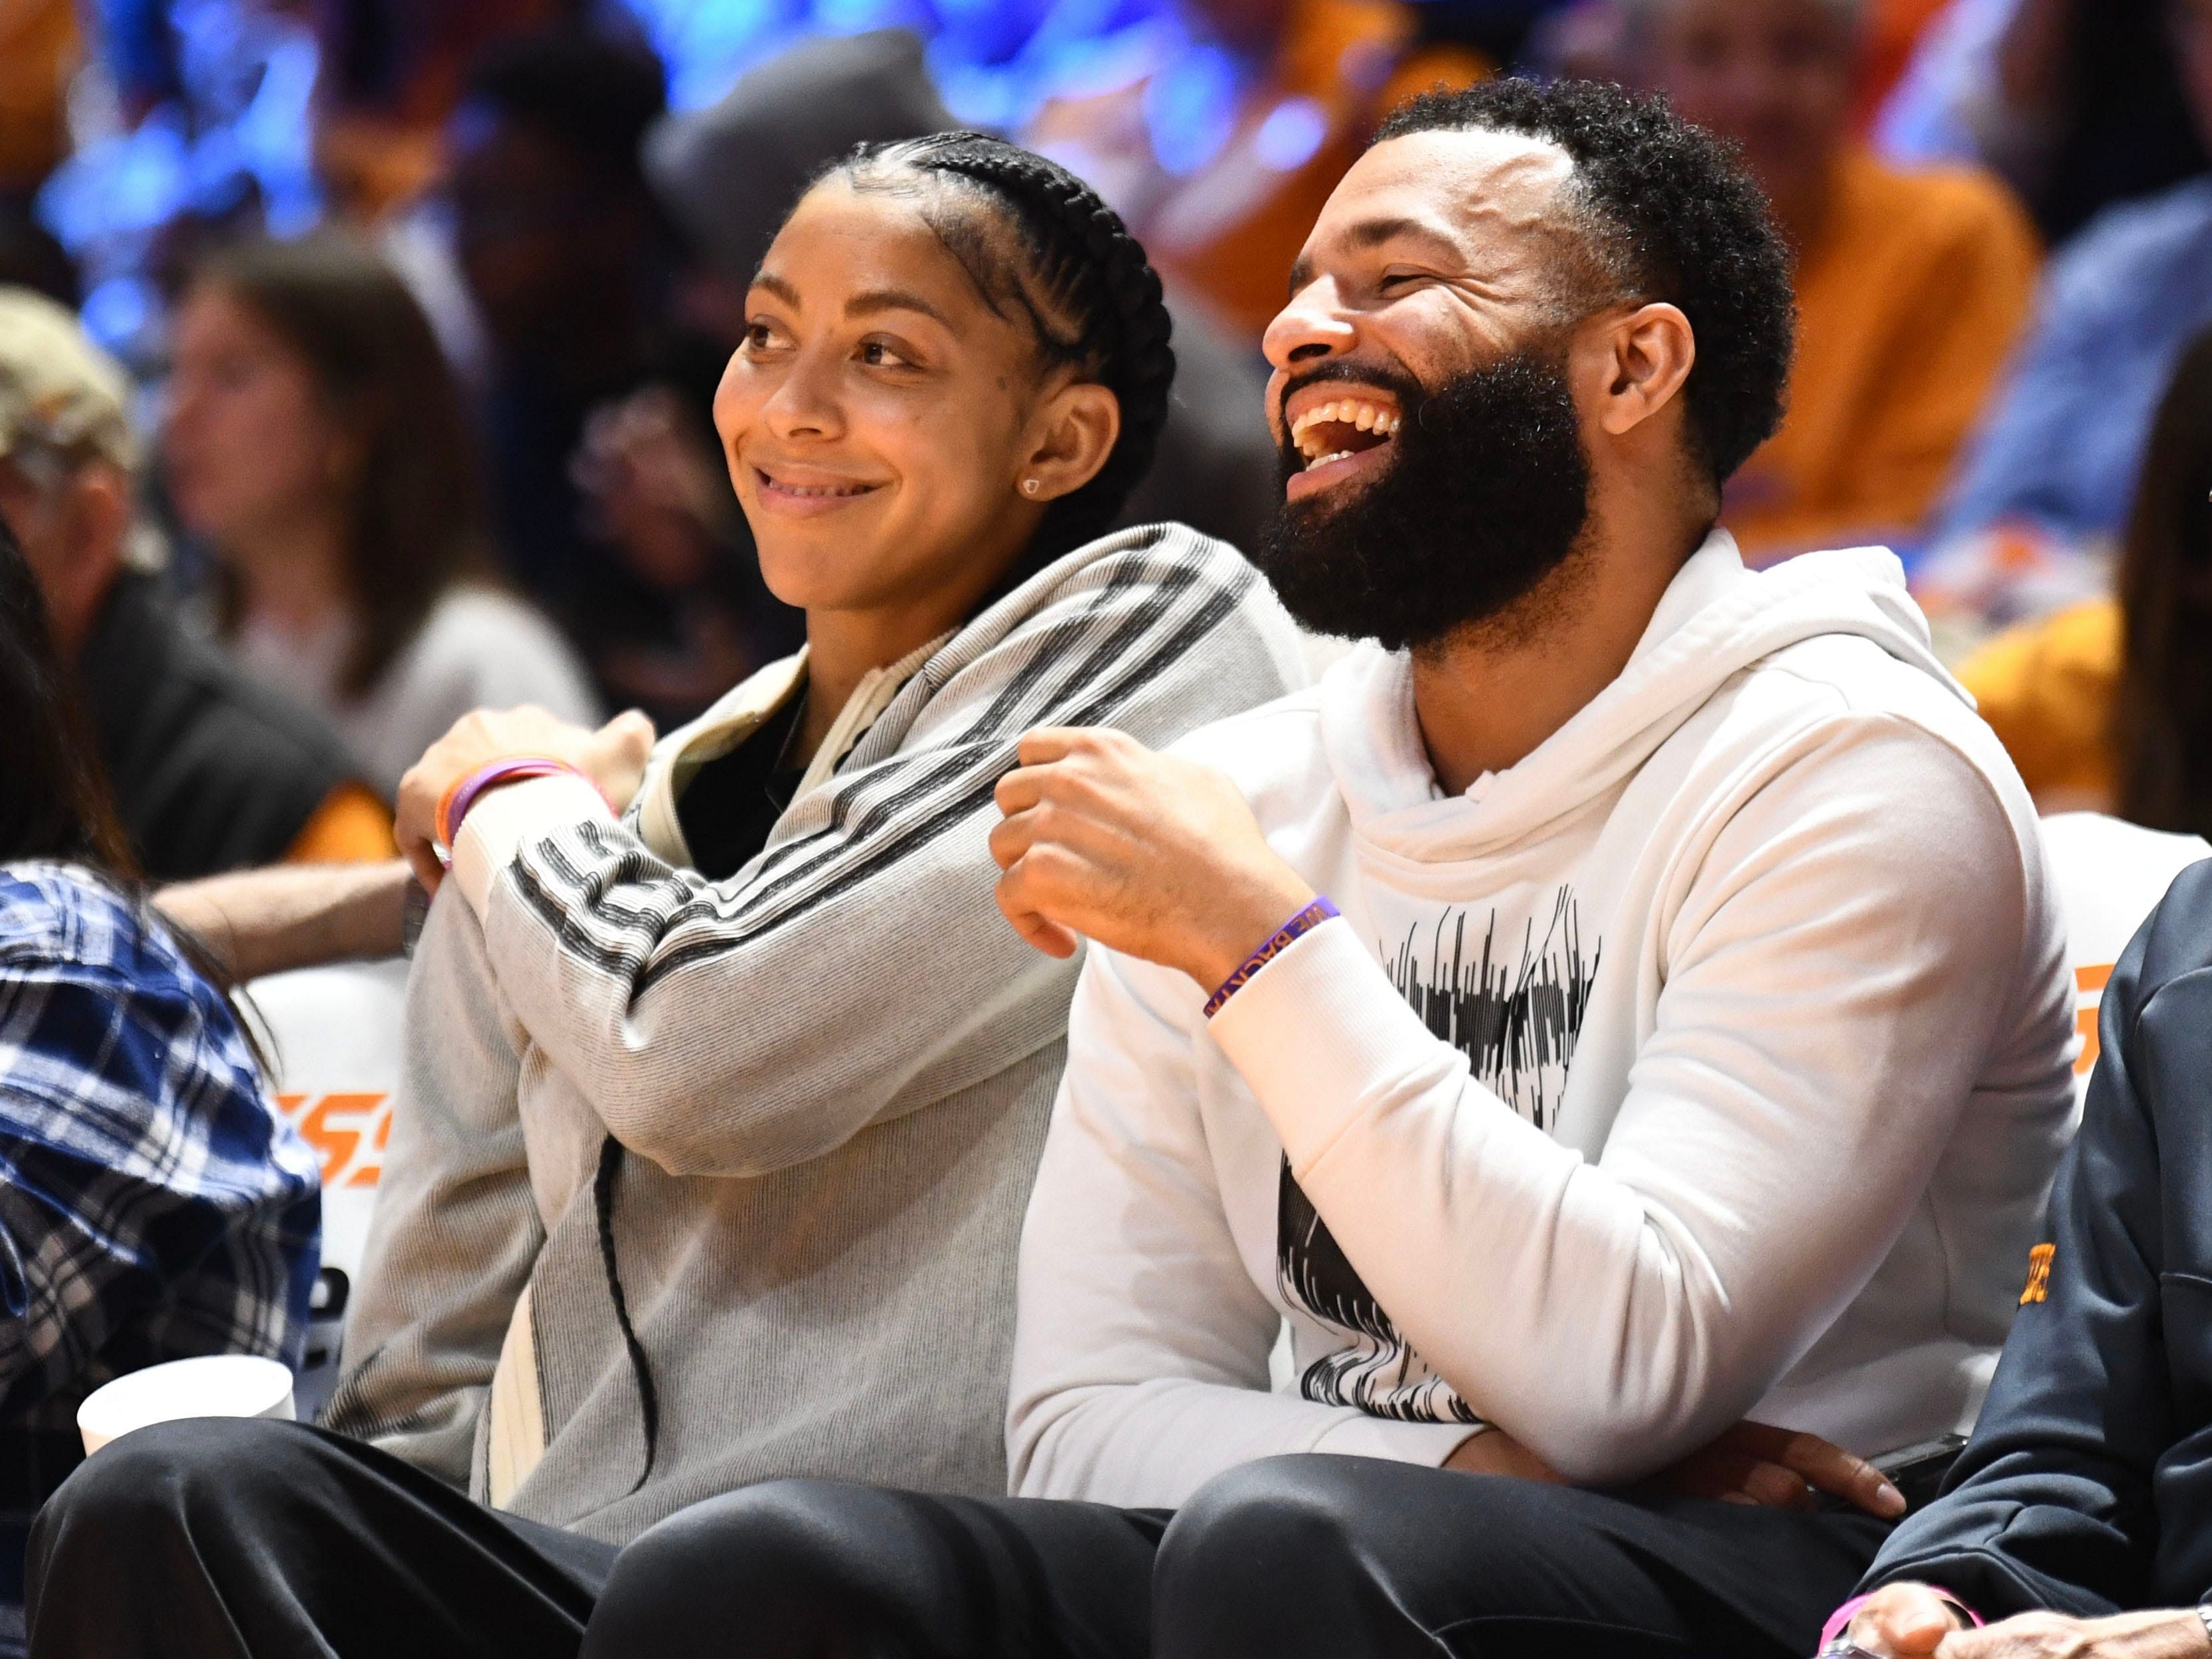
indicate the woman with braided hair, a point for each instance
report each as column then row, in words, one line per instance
column 725, row 1080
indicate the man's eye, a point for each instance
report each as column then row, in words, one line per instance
column 761, row 337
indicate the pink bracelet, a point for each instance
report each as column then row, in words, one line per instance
column 465, row 792
column 1840, row 1619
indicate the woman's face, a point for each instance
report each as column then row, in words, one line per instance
column 880, row 420
column 248, row 442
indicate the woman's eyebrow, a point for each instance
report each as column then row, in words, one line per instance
column 777, row 286
column 872, row 300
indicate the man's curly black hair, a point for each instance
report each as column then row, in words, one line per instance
column 1671, row 215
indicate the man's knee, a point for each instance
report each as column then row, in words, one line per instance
column 775, row 1556
column 1288, row 1543
column 1255, row 1536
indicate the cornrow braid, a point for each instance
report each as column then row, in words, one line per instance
column 1102, row 310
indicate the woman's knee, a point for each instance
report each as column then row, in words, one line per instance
column 785, row 1562
column 162, row 1478
column 160, row 1498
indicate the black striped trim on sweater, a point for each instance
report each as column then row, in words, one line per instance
column 959, row 778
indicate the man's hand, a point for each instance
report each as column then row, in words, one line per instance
column 613, row 757
column 1150, row 854
column 1757, row 1463
column 1750, row 1463
column 1911, row 1621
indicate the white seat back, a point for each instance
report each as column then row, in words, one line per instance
column 2109, row 874
column 333, row 1036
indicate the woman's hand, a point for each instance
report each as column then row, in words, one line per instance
column 1757, row 1463
column 613, row 757
column 1151, row 854
column 1911, row 1621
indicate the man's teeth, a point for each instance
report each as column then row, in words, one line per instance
column 1357, row 413
column 1313, row 461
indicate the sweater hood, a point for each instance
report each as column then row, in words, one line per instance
column 1716, row 619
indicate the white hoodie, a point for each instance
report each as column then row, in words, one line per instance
column 1711, row 1062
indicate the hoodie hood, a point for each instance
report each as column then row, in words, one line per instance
column 1716, row 619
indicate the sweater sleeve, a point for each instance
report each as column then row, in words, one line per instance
column 456, row 1231
column 1836, row 968
column 2054, row 1503
column 1142, row 1344
column 858, row 969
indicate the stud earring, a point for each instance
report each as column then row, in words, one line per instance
column 1030, row 486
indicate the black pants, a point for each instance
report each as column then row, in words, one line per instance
column 221, row 1539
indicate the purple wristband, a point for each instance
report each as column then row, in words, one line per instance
column 1840, row 1619
column 464, row 795
column 1278, row 942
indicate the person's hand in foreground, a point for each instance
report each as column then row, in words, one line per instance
column 1911, row 1621
column 612, row 757
column 1150, row 854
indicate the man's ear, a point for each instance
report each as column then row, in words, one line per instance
column 1077, row 430
column 97, row 508
column 1646, row 357
column 102, row 506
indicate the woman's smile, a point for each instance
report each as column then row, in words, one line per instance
column 805, row 491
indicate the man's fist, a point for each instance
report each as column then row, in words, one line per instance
column 1150, row 854
column 613, row 756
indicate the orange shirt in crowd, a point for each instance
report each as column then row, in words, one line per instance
column 1228, row 231
column 38, row 51
column 351, row 826
column 2047, row 689
column 1909, row 302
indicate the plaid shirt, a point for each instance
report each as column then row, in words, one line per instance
column 153, row 1205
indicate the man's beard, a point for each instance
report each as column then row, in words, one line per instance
column 1482, row 497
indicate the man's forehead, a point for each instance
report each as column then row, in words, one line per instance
column 1447, row 184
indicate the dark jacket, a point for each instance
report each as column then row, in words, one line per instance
column 2088, row 1487
column 212, row 770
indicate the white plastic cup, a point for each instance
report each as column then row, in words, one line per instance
column 213, row 1385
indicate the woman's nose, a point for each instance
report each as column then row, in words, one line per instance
column 803, row 403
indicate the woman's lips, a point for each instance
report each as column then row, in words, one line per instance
column 806, row 494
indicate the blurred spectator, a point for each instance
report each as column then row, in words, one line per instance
column 315, row 439
column 1221, row 156
column 153, row 1205
column 31, row 258
column 391, row 73
column 2108, row 705
column 1910, row 286
column 37, row 55
column 211, row 772
column 2080, row 103
column 571, row 266
column 726, row 177
column 2065, row 432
